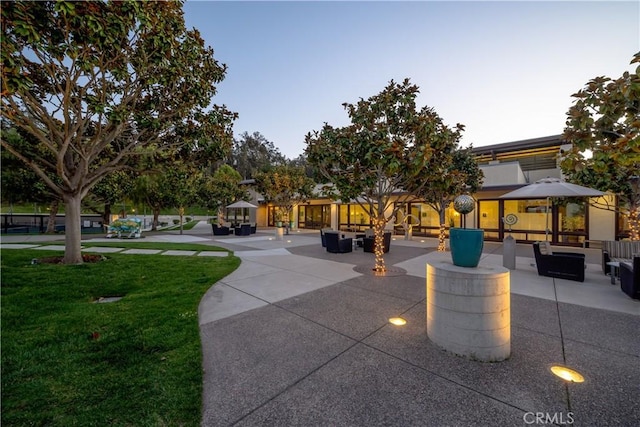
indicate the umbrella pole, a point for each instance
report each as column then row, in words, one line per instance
column 546, row 222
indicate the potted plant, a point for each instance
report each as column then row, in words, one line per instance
column 278, row 216
column 466, row 243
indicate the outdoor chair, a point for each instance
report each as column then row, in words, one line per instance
column 243, row 230
column 369, row 242
column 254, row 228
column 336, row 243
column 630, row 277
column 562, row 265
column 220, row 230
column 322, row 238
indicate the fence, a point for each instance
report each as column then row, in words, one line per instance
column 37, row 223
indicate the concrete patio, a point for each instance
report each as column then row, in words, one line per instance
column 296, row 337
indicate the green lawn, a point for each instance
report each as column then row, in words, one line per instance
column 69, row 361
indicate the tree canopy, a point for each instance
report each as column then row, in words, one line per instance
column 461, row 175
column 220, row 189
column 604, row 121
column 98, row 82
column 253, row 153
column 388, row 153
column 285, row 186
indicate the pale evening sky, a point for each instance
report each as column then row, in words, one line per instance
column 506, row 70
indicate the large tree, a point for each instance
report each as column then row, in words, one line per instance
column 461, row 175
column 387, row 154
column 253, row 153
column 285, row 186
column 605, row 122
column 220, row 189
column 96, row 82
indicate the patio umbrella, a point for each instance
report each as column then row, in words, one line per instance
column 551, row 187
column 241, row 204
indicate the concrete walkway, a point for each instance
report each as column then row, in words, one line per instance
column 296, row 336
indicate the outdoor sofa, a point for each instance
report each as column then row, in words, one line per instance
column 618, row 251
column 243, row 230
column 337, row 243
column 630, row 277
column 562, row 265
column 368, row 242
column 220, row 230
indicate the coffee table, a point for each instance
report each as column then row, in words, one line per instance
column 615, row 271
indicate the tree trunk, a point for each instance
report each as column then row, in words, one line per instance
column 378, row 245
column 221, row 215
column 634, row 223
column 53, row 211
column 181, row 212
column 106, row 216
column 442, row 234
column 156, row 215
column 73, row 236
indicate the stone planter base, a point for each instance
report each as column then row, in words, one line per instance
column 469, row 310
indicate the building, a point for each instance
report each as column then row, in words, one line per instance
column 506, row 167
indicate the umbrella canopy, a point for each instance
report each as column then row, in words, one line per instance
column 551, row 187
column 242, row 204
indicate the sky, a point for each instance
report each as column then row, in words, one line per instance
column 505, row 70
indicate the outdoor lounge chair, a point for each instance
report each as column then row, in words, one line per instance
column 243, row 230
column 220, row 230
column 630, row 278
column 337, row 244
column 369, row 242
column 562, row 265
column 322, row 238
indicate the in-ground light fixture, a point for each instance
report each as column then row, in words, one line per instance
column 567, row 374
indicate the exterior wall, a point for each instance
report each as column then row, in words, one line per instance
column 602, row 222
column 496, row 173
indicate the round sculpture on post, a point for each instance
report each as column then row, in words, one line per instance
column 466, row 244
column 464, row 204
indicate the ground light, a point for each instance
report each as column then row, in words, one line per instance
column 398, row 321
column 567, row 374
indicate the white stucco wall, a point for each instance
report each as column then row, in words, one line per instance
column 602, row 222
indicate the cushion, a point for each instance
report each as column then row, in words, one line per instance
column 545, row 248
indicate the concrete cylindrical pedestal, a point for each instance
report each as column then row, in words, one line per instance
column 469, row 310
column 279, row 233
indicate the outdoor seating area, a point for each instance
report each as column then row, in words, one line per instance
column 563, row 265
column 364, row 240
column 618, row 251
column 244, row 229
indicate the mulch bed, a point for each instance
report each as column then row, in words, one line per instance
column 59, row 259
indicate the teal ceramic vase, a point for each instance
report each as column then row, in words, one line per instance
column 466, row 246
